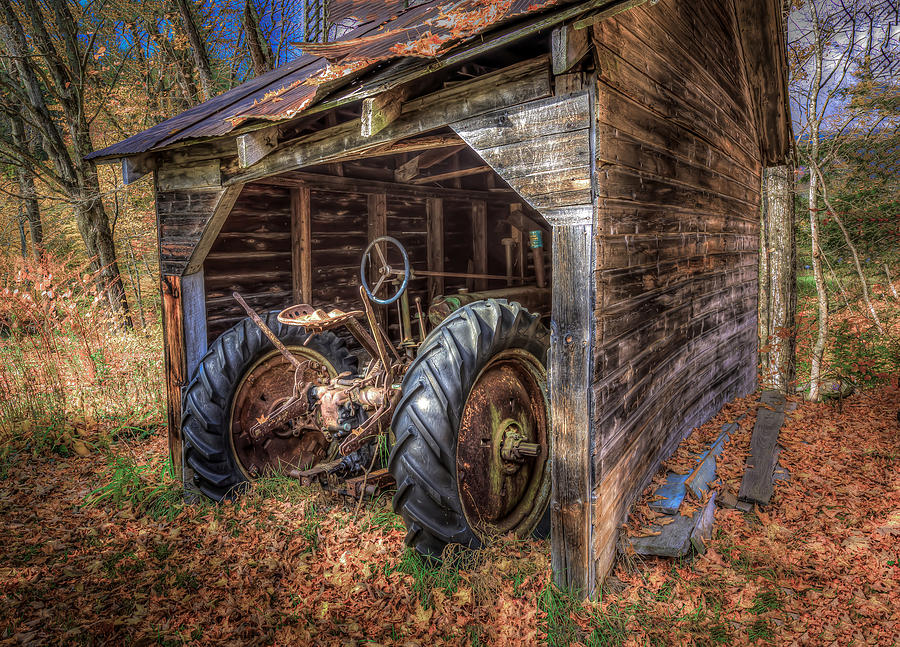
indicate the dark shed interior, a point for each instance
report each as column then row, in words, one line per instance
column 450, row 211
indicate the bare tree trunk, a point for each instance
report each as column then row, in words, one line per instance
column 260, row 50
column 23, row 241
column 779, row 250
column 818, row 351
column 25, row 177
column 859, row 272
column 890, row 282
column 198, row 49
column 812, row 107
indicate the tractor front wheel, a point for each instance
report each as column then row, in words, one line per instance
column 241, row 380
column 472, row 430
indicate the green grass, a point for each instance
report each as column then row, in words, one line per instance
column 148, row 489
column 557, row 607
column 430, row 575
column 281, row 488
column 765, row 601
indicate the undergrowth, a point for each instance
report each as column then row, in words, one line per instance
column 72, row 378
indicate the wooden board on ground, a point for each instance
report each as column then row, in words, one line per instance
column 759, row 477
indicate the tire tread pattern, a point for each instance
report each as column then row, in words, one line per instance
column 207, row 400
column 426, row 421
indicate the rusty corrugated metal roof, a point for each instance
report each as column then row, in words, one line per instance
column 386, row 31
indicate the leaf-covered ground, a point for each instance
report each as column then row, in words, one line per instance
column 129, row 564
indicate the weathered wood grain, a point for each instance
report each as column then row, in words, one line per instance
column 677, row 234
column 174, row 363
column 571, row 342
column 758, row 483
column 301, row 245
column 520, row 83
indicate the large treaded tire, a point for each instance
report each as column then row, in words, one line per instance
column 206, row 406
column 426, row 421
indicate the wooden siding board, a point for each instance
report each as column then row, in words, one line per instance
column 676, row 241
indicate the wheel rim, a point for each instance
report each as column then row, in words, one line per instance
column 262, row 388
column 506, row 413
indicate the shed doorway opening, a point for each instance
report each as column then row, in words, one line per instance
column 298, row 237
column 413, row 290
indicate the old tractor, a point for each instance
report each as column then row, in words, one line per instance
column 463, row 408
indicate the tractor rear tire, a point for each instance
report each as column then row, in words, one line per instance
column 206, row 418
column 428, row 429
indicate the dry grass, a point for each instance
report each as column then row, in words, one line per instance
column 70, row 375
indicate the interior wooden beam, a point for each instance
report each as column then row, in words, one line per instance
column 357, row 185
column 301, row 245
column 255, row 145
column 434, row 209
column 411, row 168
column 518, row 236
column 568, row 46
column 479, row 241
column 510, row 86
column 382, row 110
column 377, row 219
column 449, row 175
column 222, row 208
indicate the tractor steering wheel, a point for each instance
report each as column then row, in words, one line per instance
column 385, row 271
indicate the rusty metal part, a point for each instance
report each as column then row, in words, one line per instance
column 373, row 481
column 376, row 330
column 421, row 319
column 405, row 321
column 315, row 320
column 266, row 387
column 503, row 445
column 308, row 475
column 371, row 396
column 285, row 411
column 330, row 402
column 534, row 299
column 268, row 333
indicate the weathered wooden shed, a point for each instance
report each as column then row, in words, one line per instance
column 631, row 133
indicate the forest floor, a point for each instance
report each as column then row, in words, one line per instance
column 130, row 564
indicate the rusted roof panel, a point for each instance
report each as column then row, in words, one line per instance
column 388, row 32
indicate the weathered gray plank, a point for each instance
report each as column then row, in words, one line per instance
column 571, row 341
column 758, row 482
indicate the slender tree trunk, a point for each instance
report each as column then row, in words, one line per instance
column 818, row 351
column 198, row 49
column 23, row 241
column 812, row 109
column 890, row 282
column 856, row 263
column 25, row 177
column 260, row 50
column 780, row 252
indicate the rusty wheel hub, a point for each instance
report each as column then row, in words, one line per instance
column 262, row 390
column 502, row 448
